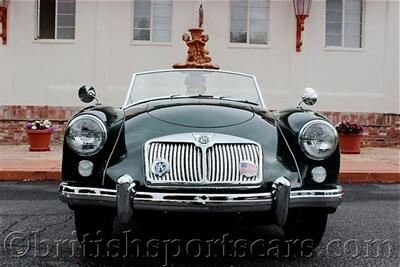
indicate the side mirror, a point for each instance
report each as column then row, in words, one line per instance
column 86, row 94
column 310, row 96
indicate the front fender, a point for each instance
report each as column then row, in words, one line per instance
column 290, row 122
column 114, row 121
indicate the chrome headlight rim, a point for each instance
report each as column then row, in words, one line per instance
column 103, row 129
column 306, row 126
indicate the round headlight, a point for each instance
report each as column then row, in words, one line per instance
column 318, row 139
column 86, row 135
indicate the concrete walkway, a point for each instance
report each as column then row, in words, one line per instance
column 373, row 165
column 18, row 163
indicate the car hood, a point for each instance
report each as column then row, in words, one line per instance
column 164, row 118
column 201, row 116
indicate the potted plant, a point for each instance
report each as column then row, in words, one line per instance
column 39, row 133
column 349, row 137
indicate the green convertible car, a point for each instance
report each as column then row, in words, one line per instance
column 200, row 141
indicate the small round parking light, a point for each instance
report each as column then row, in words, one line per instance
column 85, row 168
column 318, row 174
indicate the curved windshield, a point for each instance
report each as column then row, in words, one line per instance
column 195, row 84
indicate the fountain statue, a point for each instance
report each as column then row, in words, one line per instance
column 198, row 57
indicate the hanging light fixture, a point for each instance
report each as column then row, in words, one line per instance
column 302, row 11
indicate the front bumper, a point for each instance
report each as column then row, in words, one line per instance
column 197, row 202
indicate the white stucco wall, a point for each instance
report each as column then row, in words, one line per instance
column 49, row 73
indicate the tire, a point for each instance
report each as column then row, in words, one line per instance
column 94, row 227
column 304, row 230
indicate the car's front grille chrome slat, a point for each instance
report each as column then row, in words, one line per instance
column 225, row 175
column 212, row 166
column 168, row 155
column 199, row 167
column 237, row 162
column 173, row 163
column 187, row 164
column 191, row 163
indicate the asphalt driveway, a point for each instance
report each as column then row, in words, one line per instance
column 36, row 229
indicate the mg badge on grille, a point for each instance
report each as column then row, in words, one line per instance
column 160, row 167
column 248, row 168
column 203, row 139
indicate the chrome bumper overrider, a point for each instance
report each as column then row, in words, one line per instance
column 279, row 200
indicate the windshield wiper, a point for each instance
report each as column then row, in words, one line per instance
column 192, row 96
column 238, row 100
column 214, row 97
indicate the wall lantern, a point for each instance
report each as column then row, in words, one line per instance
column 3, row 20
column 302, row 11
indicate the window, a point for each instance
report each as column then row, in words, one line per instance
column 56, row 19
column 152, row 20
column 249, row 21
column 344, row 21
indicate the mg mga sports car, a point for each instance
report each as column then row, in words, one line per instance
column 200, row 141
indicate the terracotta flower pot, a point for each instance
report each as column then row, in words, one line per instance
column 39, row 140
column 350, row 143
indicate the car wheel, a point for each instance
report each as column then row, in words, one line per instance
column 94, row 227
column 304, row 230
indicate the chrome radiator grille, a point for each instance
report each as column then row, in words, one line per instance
column 185, row 162
column 191, row 161
column 223, row 163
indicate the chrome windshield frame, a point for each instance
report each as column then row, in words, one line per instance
column 128, row 95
